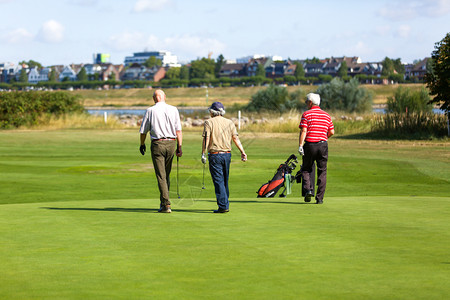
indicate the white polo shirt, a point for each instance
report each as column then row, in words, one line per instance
column 162, row 120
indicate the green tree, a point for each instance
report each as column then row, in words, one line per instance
column 339, row 95
column 313, row 60
column 392, row 66
column 388, row 67
column 343, row 70
column 398, row 66
column 219, row 64
column 31, row 64
column 438, row 81
column 82, row 75
column 52, row 76
column 152, row 61
column 184, row 73
column 299, row 71
column 173, row 73
column 260, row 71
column 202, row 68
column 23, row 76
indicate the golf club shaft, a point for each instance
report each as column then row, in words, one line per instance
column 178, row 188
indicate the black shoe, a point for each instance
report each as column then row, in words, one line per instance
column 165, row 209
column 308, row 196
column 221, row 211
column 319, row 201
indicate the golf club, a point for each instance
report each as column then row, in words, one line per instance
column 203, row 184
column 178, row 175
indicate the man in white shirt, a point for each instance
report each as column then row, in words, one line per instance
column 163, row 122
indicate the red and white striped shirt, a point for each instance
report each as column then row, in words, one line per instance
column 318, row 123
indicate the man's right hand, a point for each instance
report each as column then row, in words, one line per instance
column 142, row 148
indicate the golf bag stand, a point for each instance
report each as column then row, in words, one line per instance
column 283, row 173
column 298, row 177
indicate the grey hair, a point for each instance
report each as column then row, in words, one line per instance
column 216, row 113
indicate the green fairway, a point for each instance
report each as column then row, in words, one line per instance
column 78, row 221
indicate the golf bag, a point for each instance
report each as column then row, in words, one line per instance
column 298, row 177
column 281, row 178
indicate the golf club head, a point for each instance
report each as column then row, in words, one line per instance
column 291, row 158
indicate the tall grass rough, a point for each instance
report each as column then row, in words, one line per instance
column 26, row 108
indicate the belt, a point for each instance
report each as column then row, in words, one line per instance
column 220, row 152
column 316, row 142
column 164, row 139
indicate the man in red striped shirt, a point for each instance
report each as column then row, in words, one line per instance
column 316, row 127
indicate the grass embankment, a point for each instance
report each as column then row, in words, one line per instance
column 78, row 221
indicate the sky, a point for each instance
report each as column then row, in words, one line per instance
column 61, row 32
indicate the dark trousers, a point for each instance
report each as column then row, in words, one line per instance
column 162, row 156
column 315, row 152
column 219, row 166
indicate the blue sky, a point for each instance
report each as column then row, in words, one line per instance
column 70, row 31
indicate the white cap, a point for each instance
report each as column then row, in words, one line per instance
column 314, row 98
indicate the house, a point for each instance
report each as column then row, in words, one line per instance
column 253, row 63
column 233, row 70
column 140, row 72
column 68, row 74
column 419, row 70
column 6, row 72
column 35, row 75
column 277, row 69
column 110, row 71
column 331, row 68
column 313, row 69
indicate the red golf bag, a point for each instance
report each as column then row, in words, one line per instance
column 269, row 189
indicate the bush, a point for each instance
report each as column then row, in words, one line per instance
column 276, row 98
column 406, row 101
column 338, row 95
column 419, row 125
column 25, row 108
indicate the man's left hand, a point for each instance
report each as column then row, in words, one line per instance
column 243, row 157
column 301, row 151
column 142, row 148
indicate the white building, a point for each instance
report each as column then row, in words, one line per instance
column 69, row 73
column 167, row 59
column 35, row 76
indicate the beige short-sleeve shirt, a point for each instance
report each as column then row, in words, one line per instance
column 220, row 132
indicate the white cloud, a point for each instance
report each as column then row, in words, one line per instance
column 18, row 36
column 191, row 45
column 403, row 31
column 187, row 45
column 127, row 41
column 408, row 10
column 151, row 5
column 51, row 32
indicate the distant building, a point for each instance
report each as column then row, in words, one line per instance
column 102, row 58
column 6, row 72
column 167, row 59
column 69, row 73
column 140, row 72
column 35, row 75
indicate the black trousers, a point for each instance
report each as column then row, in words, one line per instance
column 318, row 153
